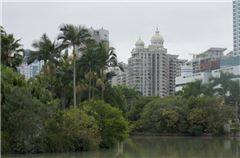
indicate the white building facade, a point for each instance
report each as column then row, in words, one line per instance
column 30, row 70
column 236, row 27
column 99, row 34
column 150, row 69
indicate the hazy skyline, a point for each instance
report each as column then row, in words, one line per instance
column 186, row 27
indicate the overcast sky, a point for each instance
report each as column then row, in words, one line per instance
column 187, row 27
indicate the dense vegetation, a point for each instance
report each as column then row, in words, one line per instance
column 194, row 116
column 71, row 105
column 197, row 109
column 33, row 121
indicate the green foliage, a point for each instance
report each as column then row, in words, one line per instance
column 196, row 130
column 10, row 50
column 195, row 115
column 32, row 121
column 225, row 87
column 161, row 114
column 37, row 116
column 113, row 126
column 5, row 142
column 22, row 114
column 137, row 107
column 46, row 50
column 121, row 97
column 71, row 130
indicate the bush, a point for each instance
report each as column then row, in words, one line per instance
column 112, row 125
column 72, row 130
column 196, row 130
column 137, row 107
column 195, row 115
column 5, row 142
column 161, row 115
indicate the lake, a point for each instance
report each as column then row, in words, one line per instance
column 159, row 147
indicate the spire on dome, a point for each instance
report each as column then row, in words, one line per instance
column 157, row 39
column 139, row 43
column 157, row 32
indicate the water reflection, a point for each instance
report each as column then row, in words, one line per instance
column 159, row 147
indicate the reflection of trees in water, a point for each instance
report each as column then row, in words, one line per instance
column 154, row 147
column 181, row 147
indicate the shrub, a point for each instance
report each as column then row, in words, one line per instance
column 72, row 130
column 196, row 130
column 112, row 125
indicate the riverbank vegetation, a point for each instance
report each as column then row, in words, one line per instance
column 196, row 110
column 71, row 106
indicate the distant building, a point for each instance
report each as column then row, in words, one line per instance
column 180, row 63
column 208, row 60
column 99, row 35
column 182, row 81
column 209, row 64
column 29, row 70
column 151, row 70
column 186, row 69
column 211, row 53
column 235, row 70
column 227, row 61
column 121, row 77
column 236, row 27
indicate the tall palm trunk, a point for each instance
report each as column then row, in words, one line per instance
column 236, row 108
column 102, row 93
column 89, row 84
column 74, row 77
column 93, row 86
column 103, row 85
column 64, row 97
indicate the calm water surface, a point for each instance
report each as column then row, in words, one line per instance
column 159, row 147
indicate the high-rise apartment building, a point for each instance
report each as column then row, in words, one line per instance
column 236, row 27
column 151, row 70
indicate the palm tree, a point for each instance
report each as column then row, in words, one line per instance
column 63, row 77
column 228, row 89
column 11, row 51
column 75, row 38
column 46, row 50
column 90, row 64
column 107, row 60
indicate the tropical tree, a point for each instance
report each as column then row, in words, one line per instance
column 225, row 87
column 197, row 88
column 107, row 60
column 64, row 79
column 11, row 50
column 46, row 50
column 89, row 63
column 75, row 38
column 113, row 127
column 228, row 88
